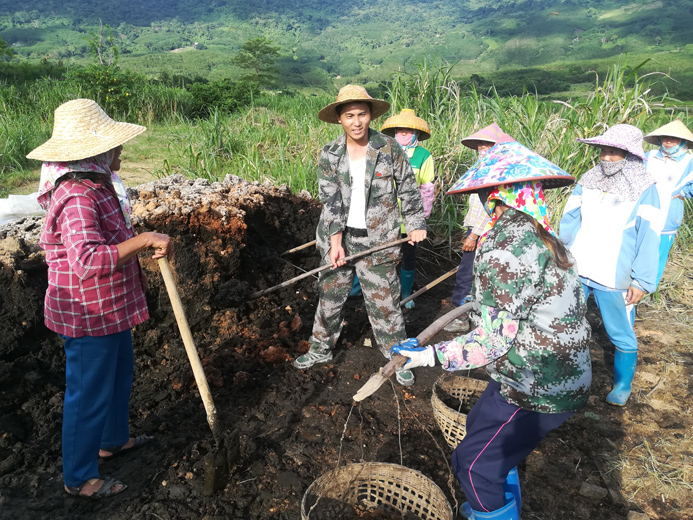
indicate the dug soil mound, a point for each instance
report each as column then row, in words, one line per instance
column 291, row 426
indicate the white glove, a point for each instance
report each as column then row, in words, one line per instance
column 418, row 356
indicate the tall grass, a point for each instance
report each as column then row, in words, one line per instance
column 279, row 139
column 26, row 118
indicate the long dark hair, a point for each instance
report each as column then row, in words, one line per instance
column 553, row 244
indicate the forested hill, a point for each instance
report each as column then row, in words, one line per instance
column 363, row 40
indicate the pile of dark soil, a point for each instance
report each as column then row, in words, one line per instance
column 290, row 423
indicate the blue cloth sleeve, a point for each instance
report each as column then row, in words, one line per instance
column 572, row 217
column 648, row 226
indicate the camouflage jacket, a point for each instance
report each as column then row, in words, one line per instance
column 548, row 368
column 388, row 177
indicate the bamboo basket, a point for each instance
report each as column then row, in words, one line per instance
column 388, row 487
column 452, row 422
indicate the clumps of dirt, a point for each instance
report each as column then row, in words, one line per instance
column 23, row 281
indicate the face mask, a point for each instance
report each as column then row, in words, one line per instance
column 671, row 151
column 610, row 168
column 404, row 139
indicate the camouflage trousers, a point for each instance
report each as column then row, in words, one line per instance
column 381, row 291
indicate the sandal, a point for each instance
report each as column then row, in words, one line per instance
column 106, row 489
column 140, row 440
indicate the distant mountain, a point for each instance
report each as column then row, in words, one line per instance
column 330, row 41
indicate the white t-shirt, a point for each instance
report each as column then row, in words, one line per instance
column 357, row 210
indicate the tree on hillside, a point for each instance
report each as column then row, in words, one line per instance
column 259, row 57
column 103, row 49
column 5, row 50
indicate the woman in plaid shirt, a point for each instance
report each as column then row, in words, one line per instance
column 96, row 289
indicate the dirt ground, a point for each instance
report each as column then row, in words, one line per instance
column 289, row 426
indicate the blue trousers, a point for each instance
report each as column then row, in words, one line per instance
column 463, row 279
column 618, row 317
column 665, row 243
column 499, row 436
column 98, row 375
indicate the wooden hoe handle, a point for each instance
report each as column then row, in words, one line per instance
column 186, row 335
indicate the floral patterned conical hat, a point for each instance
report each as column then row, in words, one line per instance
column 507, row 163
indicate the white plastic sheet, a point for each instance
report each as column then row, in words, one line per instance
column 19, row 206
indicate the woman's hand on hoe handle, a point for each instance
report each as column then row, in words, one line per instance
column 162, row 245
column 418, row 356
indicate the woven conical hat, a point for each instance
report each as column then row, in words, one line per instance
column 353, row 94
column 673, row 129
column 82, row 129
column 490, row 134
column 406, row 119
column 509, row 163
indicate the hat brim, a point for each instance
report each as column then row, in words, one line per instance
column 423, row 135
column 548, row 182
column 329, row 113
column 599, row 142
column 467, row 140
column 654, row 138
column 84, row 146
column 510, row 163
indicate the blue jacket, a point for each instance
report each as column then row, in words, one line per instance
column 615, row 242
column 673, row 178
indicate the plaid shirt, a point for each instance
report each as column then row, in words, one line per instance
column 476, row 217
column 87, row 294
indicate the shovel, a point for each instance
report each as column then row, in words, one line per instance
column 377, row 380
column 218, row 461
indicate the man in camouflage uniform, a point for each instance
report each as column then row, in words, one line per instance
column 360, row 177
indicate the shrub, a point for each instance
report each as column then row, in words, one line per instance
column 224, row 95
column 109, row 86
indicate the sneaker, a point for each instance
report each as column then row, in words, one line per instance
column 312, row 357
column 405, row 377
column 458, row 325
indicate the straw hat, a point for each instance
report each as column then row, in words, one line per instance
column 352, row 94
column 623, row 137
column 509, row 163
column 673, row 129
column 490, row 134
column 406, row 119
column 82, row 129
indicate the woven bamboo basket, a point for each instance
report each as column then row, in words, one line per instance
column 452, row 422
column 387, row 487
